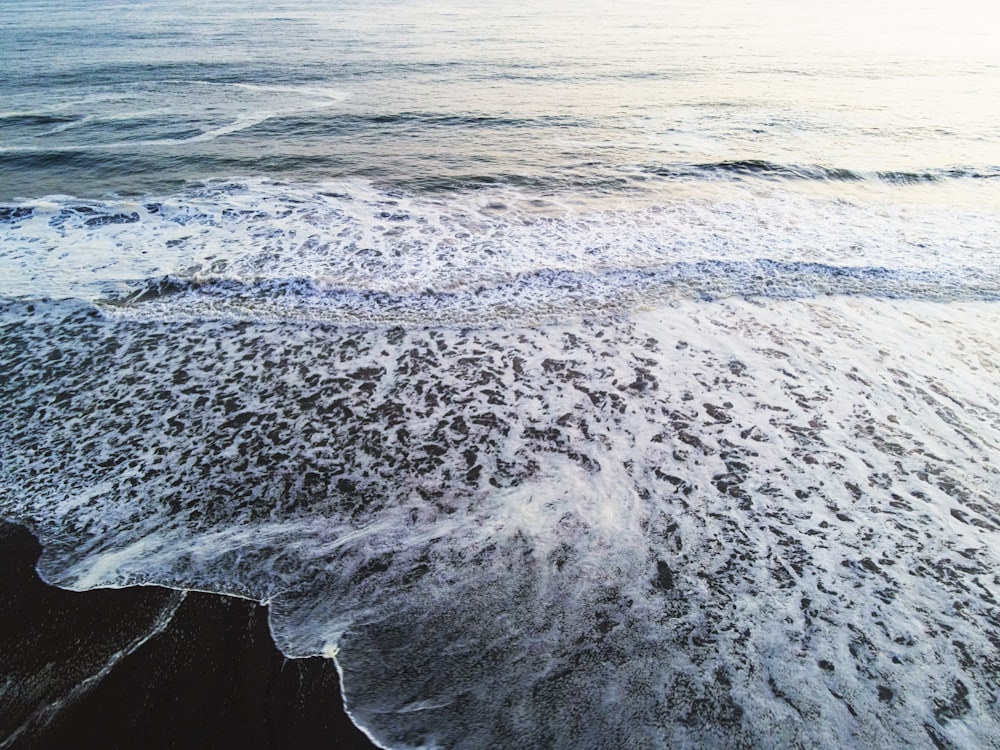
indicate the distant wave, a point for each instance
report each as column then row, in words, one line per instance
column 769, row 169
column 141, row 155
column 470, row 119
column 33, row 118
column 263, row 124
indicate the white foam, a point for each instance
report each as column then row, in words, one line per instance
column 353, row 253
column 707, row 524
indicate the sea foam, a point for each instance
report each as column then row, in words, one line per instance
column 716, row 523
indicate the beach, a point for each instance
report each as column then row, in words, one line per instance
column 145, row 667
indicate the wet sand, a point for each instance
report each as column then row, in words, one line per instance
column 153, row 668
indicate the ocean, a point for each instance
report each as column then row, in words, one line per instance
column 576, row 375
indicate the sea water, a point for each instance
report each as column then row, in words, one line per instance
column 606, row 375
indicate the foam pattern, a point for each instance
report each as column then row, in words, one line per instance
column 730, row 523
column 358, row 254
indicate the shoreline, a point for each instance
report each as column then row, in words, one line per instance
column 152, row 667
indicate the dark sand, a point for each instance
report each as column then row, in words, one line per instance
column 209, row 676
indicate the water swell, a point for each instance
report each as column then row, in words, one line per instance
column 356, row 125
column 754, row 168
column 30, row 119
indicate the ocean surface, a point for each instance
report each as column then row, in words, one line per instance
column 577, row 375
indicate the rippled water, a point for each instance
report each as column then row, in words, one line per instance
column 606, row 376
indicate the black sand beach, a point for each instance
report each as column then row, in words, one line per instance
column 209, row 676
